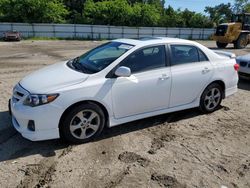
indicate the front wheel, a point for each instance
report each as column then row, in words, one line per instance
column 221, row 45
column 211, row 98
column 241, row 42
column 82, row 123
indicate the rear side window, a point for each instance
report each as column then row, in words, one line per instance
column 182, row 54
column 202, row 56
column 146, row 59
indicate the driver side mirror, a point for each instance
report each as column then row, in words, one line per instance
column 123, row 72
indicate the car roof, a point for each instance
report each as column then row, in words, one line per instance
column 166, row 40
column 153, row 40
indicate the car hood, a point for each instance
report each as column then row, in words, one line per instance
column 244, row 58
column 51, row 78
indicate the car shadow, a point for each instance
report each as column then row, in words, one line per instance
column 244, row 83
column 21, row 147
column 149, row 122
column 13, row 145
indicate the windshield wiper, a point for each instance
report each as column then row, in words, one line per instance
column 79, row 66
column 76, row 59
column 75, row 63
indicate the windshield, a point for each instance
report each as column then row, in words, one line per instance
column 100, row 57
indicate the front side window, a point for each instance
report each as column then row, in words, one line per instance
column 100, row 57
column 237, row 18
column 182, row 54
column 146, row 59
column 247, row 20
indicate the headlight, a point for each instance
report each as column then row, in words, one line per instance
column 36, row 100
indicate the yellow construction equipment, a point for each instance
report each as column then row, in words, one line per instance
column 236, row 32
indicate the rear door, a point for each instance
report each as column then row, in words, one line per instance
column 191, row 71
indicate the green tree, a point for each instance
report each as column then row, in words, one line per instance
column 109, row 12
column 172, row 18
column 240, row 6
column 220, row 13
column 131, row 2
column 120, row 12
column 40, row 11
column 247, row 8
column 149, row 15
column 157, row 3
column 115, row 12
column 200, row 21
column 187, row 17
column 75, row 8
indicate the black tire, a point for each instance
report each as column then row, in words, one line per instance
column 241, row 42
column 66, row 123
column 204, row 101
column 221, row 45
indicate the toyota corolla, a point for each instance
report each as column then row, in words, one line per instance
column 120, row 81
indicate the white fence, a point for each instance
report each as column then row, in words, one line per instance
column 103, row 31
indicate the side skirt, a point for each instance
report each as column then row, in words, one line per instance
column 114, row 122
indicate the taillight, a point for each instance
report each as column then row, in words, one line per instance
column 236, row 67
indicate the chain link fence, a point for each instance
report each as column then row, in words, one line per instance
column 103, row 31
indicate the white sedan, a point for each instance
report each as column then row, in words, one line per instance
column 120, row 81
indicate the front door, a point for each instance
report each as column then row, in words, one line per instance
column 148, row 88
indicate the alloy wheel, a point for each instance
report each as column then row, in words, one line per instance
column 212, row 99
column 85, row 124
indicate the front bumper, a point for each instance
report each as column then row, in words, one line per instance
column 46, row 118
column 245, row 71
column 11, row 38
column 231, row 91
column 243, row 74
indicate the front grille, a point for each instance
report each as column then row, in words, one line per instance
column 221, row 30
column 244, row 74
column 243, row 63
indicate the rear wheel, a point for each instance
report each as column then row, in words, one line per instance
column 221, row 45
column 241, row 42
column 211, row 98
column 83, row 123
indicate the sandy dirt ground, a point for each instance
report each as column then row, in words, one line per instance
column 182, row 149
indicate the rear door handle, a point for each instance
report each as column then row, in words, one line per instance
column 164, row 77
column 205, row 70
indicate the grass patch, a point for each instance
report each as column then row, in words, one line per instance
column 59, row 38
column 41, row 38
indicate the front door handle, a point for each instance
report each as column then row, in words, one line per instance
column 205, row 70
column 164, row 77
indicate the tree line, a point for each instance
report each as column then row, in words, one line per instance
column 116, row 12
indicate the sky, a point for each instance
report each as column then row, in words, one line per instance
column 195, row 5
